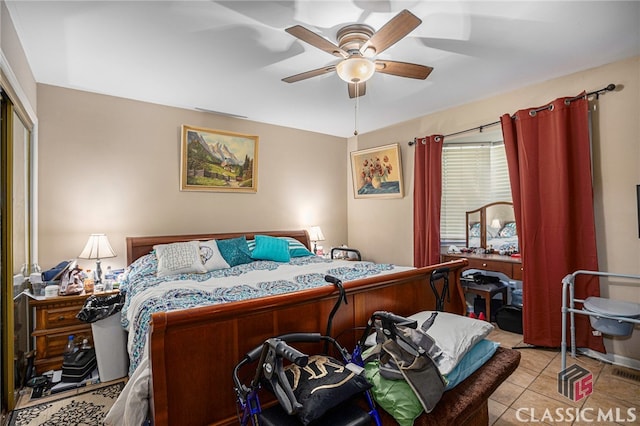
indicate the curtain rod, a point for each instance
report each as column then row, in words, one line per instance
column 610, row 87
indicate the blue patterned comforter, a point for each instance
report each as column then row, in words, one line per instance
column 146, row 293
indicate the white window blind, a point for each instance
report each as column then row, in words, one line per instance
column 473, row 174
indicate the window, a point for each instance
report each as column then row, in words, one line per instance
column 473, row 174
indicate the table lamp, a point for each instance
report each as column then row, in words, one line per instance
column 97, row 248
column 315, row 235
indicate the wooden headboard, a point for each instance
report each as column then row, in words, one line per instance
column 140, row 246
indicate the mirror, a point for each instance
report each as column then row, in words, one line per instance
column 474, row 228
column 493, row 228
column 501, row 231
column 20, row 238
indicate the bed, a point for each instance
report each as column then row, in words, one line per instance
column 191, row 352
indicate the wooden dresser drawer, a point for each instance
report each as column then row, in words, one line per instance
column 509, row 266
column 517, row 271
column 56, row 317
column 50, row 343
column 491, row 265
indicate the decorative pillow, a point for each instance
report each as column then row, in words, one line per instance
column 454, row 334
column 296, row 248
column 211, row 257
column 271, row 248
column 474, row 230
column 235, row 251
column 508, row 230
column 323, row 384
column 179, row 258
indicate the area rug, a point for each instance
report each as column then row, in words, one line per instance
column 81, row 409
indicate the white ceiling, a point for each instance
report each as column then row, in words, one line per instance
column 230, row 56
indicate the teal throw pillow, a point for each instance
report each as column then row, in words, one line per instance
column 296, row 248
column 271, row 248
column 235, row 251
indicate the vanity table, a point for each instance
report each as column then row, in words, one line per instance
column 510, row 266
column 492, row 226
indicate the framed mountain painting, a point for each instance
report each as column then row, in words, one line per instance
column 216, row 160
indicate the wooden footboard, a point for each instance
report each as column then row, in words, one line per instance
column 193, row 352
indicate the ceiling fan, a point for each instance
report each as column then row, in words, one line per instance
column 357, row 44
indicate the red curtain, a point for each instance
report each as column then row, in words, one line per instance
column 427, row 190
column 549, row 160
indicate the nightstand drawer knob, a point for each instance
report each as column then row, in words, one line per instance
column 484, row 265
column 61, row 318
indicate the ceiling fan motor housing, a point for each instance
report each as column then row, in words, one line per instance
column 352, row 37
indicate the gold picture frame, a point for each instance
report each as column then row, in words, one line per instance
column 217, row 160
column 377, row 172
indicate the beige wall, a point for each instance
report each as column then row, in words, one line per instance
column 25, row 84
column 382, row 229
column 112, row 165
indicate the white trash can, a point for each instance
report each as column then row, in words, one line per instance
column 110, row 342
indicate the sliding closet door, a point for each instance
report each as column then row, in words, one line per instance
column 15, row 215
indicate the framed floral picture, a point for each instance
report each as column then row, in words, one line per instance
column 377, row 172
column 215, row 160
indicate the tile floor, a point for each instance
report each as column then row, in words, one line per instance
column 530, row 394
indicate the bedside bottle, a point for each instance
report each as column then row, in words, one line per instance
column 70, row 347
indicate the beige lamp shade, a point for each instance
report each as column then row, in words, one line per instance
column 97, row 247
column 315, row 234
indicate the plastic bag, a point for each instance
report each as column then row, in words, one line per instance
column 71, row 283
column 100, row 307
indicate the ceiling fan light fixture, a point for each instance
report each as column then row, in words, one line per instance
column 356, row 69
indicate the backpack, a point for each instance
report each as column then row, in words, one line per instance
column 407, row 353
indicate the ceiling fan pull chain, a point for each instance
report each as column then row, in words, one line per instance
column 355, row 132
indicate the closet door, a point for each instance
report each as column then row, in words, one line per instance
column 15, row 238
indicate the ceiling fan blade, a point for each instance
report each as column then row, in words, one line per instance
column 316, row 40
column 403, row 69
column 309, row 74
column 361, row 89
column 391, row 32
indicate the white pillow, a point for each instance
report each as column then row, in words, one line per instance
column 179, row 258
column 211, row 257
column 454, row 334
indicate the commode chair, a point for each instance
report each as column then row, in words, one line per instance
column 611, row 317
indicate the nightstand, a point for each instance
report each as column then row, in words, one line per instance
column 55, row 320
